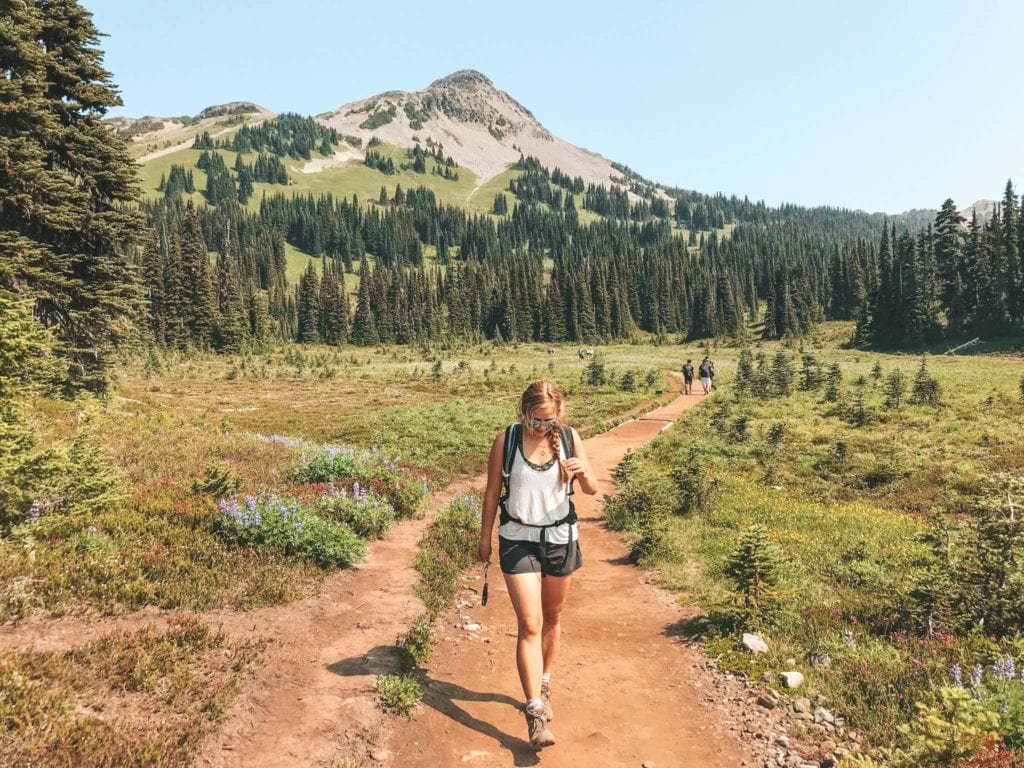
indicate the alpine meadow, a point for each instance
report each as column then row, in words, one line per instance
column 252, row 364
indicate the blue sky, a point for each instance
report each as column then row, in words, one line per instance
column 883, row 106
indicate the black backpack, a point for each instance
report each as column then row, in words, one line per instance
column 688, row 369
column 513, row 441
column 705, row 370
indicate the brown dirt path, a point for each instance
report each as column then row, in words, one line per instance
column 311, row 700
column 626, row 691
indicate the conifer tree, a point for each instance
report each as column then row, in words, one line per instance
column 65, row 181
column 364, row 326
column 307, row 301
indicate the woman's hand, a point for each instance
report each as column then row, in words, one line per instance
column 574, row 467
column 483, row 551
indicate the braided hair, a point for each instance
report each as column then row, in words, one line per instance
column 537, row 395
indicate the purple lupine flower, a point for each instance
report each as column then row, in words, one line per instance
column 956, row 672
column 357, row 490
column 1005, row 669
column 250, row 503
column 1004, row 708
column 976, row 672
column 91, row 529
column 257, row 520
column 34, row 511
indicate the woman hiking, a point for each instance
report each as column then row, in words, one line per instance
column 536, row 462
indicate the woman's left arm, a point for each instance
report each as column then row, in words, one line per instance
column 578, row 466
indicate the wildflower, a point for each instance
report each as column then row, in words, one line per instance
column 1004, row 708
column 976, row 675
column 956, row 672
column 250, row 503
column 34, row 511
column 257, row 520
column 1005, row 669
column 848, row 638
column 91, row 529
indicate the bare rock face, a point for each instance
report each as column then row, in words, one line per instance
column 479, row 126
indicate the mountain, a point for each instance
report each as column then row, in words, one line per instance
column 155, row 136
column 984, row 209
column 480, row 127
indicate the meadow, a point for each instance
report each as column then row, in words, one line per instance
column 869, row 538
column 246, row 480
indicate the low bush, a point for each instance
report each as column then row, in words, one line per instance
column 289, row 526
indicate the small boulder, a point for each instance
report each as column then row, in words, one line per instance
column 792, row 679
column 754, row 643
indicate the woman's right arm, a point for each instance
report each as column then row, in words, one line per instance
column 491, row 494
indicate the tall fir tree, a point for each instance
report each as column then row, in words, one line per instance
column 66, row 181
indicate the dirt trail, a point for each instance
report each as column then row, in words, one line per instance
column 626, row 691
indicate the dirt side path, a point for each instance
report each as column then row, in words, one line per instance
column 625, row 691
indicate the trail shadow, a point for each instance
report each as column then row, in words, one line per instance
column 441, row 696
column 625, row 559
column 689, row 630
column 382, row 660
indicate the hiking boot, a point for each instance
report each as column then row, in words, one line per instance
column 537, row 727
column 545, row 696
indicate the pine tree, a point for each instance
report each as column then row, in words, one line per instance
column 756, row 567
column 307, row 300
column 364, row 326
column 23, row 347
column 65, row 183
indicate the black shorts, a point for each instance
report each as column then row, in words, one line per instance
column 535, row 557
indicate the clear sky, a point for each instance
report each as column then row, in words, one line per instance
column 879, row 105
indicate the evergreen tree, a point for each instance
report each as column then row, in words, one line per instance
column 307, row 301
column 65, row 183
column 364, row 326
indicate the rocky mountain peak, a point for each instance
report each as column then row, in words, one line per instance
column 481, row 127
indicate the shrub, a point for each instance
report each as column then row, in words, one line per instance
column 286, row 525
column 756, row 567
column 594, row 374
column 957, row 726
column 695, row 487
column 926, row 387
column 782, row 374
column 398, row 693
column 415, row 645
column 447, row 549
column 833, row 380
column 894, row 388
column 369, row 517
column 218, row 481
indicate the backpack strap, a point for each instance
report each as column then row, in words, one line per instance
column 570, row 451
column 513, row 437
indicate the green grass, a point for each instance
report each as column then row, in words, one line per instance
column 845, row 505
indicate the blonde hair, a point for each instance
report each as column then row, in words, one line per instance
column 537, row 395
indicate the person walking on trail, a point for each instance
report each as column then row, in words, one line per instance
column 531, row 471
column 688, row 377
column 706, row 371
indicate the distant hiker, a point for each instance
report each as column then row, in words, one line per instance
column 582, row 354
column 706, row 371
column 688, row 377
column 530, row 474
